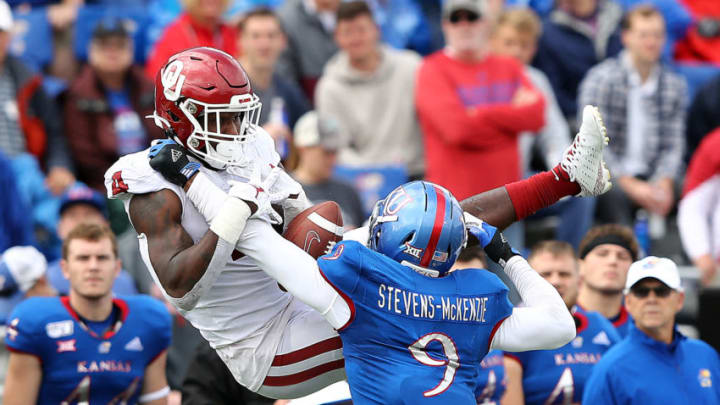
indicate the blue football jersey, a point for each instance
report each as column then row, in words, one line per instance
column 79, row 366
column 558, row 376
column 413, row 339
column 622, row 322
column 491, row 381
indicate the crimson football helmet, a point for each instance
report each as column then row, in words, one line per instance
column 199, row 92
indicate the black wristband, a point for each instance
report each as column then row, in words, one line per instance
column 499, row 250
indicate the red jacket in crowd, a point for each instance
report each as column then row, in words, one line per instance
column 469, row 125
column 185, row 33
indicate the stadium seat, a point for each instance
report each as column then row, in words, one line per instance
column 32, row 38
column 89, row 15
column 372, row 183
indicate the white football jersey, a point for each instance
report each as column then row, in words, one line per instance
column 243, row 302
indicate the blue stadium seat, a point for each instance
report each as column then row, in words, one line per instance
column 89, row 15
column 32, row 38
column 372, row 183
column 696, row 74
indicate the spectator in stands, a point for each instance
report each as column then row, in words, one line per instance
column 472, row 107
column 262, row 39
column 30, row 121
column 643, row 104
column 605, row 254
column 538, row 377
column 209, row 381
column 577, row 35
column 309, row 25
column 699, row 209
column 82, row 205
column 369, row 87
column 703, row 116
column 317, row 141
column 516, row 34
column 106, row 105
column 22, row 269
column 655, row 364
column 200, row 25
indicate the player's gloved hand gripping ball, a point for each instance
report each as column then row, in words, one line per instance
column 171, row 160
column 493, row 242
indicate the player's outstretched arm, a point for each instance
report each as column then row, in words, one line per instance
column 22, row 383
column 178, row 262
column 494, row 207
column 155, row 388
column 292, row 267
column 543, row 322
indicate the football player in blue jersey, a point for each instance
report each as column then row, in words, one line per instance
column 558, row 376
column 491, row 380
column 606, row 253
column 88, row 348
column 412, row 330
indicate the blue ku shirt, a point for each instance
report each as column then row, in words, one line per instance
column 491, row 381
column 413, row 339
column 559, row 376
column 78, row 365
column 642, row 370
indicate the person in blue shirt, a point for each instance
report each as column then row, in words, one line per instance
column 81, row 204
column 558, row 376
column 22, row 275
column 655, row 363
column 415, row 332
column 89, row 347
column 606, row 253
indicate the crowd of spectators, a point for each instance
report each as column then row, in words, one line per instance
column 361, row 96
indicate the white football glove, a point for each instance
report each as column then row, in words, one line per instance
column 260, row 193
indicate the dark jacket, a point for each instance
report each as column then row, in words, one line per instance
column 209, row 382
column 569, row 47
column 704, row 115
column 40, row 120
column 89, row 122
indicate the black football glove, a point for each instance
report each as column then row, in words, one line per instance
column 493, row 242
column 171, row 160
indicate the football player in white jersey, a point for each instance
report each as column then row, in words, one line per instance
column 207, row 190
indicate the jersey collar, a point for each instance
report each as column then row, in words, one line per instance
column 117, row 302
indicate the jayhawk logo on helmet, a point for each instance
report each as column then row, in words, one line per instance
column 204, row 101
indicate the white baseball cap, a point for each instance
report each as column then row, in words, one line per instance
column 315, row 130
column 24, row 264
column 660, row 268
column 6, row 18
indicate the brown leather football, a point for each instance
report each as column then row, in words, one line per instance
column 316, row 229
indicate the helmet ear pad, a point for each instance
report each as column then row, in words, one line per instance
column 419, row 224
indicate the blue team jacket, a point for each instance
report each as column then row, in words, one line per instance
column 642, row 370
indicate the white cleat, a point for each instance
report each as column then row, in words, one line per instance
column 583, row 159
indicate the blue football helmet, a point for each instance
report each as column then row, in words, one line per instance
column 420, row 225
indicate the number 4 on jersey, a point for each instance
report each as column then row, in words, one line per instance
column 118, row 185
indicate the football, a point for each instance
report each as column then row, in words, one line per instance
column 316, row 229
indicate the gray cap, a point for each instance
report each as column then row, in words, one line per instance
column 474, row 6
column 314, row 130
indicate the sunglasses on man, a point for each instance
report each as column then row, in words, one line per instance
column 463, row 15
column 660, row 291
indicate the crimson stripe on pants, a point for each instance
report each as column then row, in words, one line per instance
column 305, row 353
column 276, row 381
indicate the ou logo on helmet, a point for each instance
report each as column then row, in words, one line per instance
column 171, row 76
column 396, row 201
